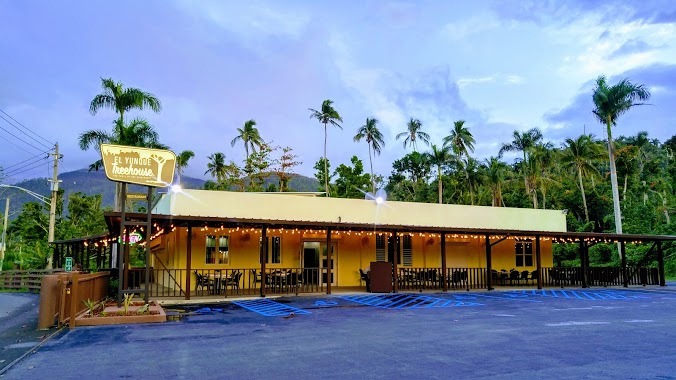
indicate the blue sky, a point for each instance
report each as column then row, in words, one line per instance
column 501, row 66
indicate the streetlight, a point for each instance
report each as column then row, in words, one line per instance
column 39, row 197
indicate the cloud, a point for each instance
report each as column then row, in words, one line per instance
column 632, row 46
column 496, row 78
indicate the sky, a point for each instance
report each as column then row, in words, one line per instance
column 499, row 65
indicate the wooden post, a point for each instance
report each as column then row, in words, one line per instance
column 660, row 263
column 188, row 263
column 489, row 272
column 539, row 261
column 149, row 228
column 263, row 257
column 583, row 262
column 120, row 245
column 623, row 256
column 329, row 272
column 443, row 261
column 395, row 263
column 74, row 298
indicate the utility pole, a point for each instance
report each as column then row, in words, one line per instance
column 3, row 248
column 52, row 209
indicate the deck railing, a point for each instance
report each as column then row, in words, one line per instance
column 29, row 280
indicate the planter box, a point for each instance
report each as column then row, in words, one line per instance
column 112, row 319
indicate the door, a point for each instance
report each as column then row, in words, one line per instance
column 310, row 263
column 326, row 264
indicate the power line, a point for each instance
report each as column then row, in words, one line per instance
column 29, row 159
column 13, row 135
column 17, row 145
column 16, row 121
column 19, row 170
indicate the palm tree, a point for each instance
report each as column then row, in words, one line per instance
column 138, row 132
column 440, row 158
column 326, row 115
column 496, row 173
column 121, row 100
column 610, row 103
column 374, row 139
column 413, row 133
column 524, row 142
column 182, row 160
column 460, row 139
column 216, row 167
column 250, row 136
column 579, row 156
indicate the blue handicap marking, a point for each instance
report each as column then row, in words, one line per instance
column 269, row 308
column 406, row 301
column 464, row 297
column 581, row 294
column 325, row 303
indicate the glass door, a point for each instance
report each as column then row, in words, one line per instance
column 326, row 264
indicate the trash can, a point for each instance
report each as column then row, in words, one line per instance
column 381, row 277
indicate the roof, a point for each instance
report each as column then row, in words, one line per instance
column 340, row 211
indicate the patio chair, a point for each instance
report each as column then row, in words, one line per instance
column 365, row 277
column 255, row 276
column 232, row 281
column 524, row 276
column 514, row 276
column 534, row 276
column 202, row 281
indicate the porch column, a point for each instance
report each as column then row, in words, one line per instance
column 149, row 228
column 120, row 249
column 395, row 263
column 263, row 257
column 329, row 269
column 660, row 263
column 443, row 260
column 539, row 261
column 623, row 256
column 583, row 261
column 489, row 274
column 188, row 263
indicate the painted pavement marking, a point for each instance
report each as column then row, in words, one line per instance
column 589, row 295
column 640, row 321
column 406, row 301
column 575, row 323
column 507, row 297
column 269, row 308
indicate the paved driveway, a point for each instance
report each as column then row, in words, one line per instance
column 564, row 334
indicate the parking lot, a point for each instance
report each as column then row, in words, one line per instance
column 555, row 333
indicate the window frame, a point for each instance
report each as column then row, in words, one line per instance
column 523, row 252
column 270, row 250
column 216, row 253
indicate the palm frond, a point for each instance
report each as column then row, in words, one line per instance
column 93, row 138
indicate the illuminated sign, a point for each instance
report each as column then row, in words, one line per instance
column 142, row 166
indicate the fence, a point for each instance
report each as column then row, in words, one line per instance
column 29, row 280
column 430, row 278
column 62, row 296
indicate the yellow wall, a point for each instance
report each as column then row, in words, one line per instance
column 354, row 251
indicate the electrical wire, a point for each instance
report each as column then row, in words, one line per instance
column 29, row 159
column 19, row 170
column 9, row 141
column 24, row 127
column 16, row 137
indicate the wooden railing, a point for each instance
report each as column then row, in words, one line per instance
column 29, row 280
column 431, row 278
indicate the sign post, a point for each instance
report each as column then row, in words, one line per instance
column 141, row 166
column 69, row 264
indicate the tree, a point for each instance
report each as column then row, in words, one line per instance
column 119, row 99
column 249, row 136
column 326, row 115
column 182, row 160
column 460, row 139
column 258, row 167
column 440, row 157
column 610, row 103
column 523, row 142
column 138, row 132
column 414, row 132
column 496, row 173
column 216, row 167
column 352, row 182
column 287, row 161
column 369, row 131
column 579, row 156
column 321, row 167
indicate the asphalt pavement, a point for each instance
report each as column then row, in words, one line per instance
column 524, row 334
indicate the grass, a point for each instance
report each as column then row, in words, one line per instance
column 24, row 290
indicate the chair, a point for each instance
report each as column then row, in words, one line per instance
column 232, row 280
column 365, row 277
column 534, row 276
column 202, row 281
column 514, row 276
column 524, row 276
column 255, row 276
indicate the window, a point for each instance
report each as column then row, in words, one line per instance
column 274, row 249
column 380, row 248
column 407, row 250
column 524, row 254
column 217, row 251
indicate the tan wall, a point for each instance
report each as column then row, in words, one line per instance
column 354, row 251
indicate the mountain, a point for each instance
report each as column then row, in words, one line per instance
column 95, row 182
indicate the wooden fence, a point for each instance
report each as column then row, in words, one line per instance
column 29, row 280
column 62, row 296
